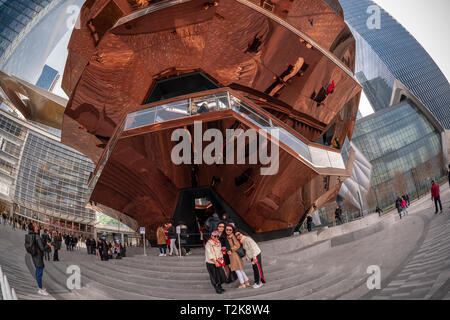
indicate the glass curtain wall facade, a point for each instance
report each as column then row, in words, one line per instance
column 17, row 17
column 404, row 148
column 12, row 138
column 42, row 179
column 51, row 185
column 405, row 58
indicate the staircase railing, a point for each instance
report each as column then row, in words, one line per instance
column 8, row 293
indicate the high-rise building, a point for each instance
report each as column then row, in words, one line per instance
column 17, row 18
column 391, row 65
column 404, row 148
column 48, row 78
column 43, row 180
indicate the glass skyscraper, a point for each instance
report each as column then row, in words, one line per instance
column 17, row 17
column 404, row 148
column 401, row 57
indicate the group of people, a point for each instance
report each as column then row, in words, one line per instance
column 401, row 203
column 15, row 223
column 106, row 250
column 224, row 252
column 167, row 238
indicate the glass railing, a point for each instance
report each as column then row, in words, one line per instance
column 156, row 5
column 318, row 157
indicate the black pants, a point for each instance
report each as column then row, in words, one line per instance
column 47, row 254
column 257, row 270
column 88, row 249
column 55, row 255
column 309, row 227
column 93, row 250
column 436, row 200
column 216, row 275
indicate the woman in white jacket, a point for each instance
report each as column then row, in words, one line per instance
column 214, row 262
column 253, row 253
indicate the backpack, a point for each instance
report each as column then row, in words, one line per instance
column 30, row 244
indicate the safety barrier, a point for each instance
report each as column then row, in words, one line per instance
column 8, row 293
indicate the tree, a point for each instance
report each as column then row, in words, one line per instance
column 399, row 183
column 371, row 199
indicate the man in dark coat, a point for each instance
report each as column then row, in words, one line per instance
column 93, row 246
column 308, row 223
column 338, row 214
column 88, row 245
column 47, row 248
column 38, row 257
column 56, row 245
column 398, row 205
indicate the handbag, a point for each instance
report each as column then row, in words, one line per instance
column 241, row 252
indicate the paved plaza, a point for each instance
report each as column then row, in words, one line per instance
column 413, row 255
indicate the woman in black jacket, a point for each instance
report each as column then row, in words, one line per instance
column 231, row 276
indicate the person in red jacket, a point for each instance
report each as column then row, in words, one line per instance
column 435, row 194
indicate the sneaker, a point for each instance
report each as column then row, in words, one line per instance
column 164, row 255
column 43, row 292
column 257, row 285
column 161, row 255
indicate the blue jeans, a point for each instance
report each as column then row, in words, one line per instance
column 39, row 272
column 162, row 247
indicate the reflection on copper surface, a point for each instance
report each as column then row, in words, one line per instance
column 293, row 60
column 32, row 102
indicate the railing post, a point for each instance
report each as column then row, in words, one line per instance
column 7, row 294
column 2, row 285
column 13, row 294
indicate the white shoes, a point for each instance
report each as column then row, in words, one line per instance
column 43, row 292
column 161, row 255
column 257, row 285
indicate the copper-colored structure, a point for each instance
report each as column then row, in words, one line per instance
column 32, row 102
column 135, row 68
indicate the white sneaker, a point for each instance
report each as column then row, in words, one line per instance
column 43, row 292
column 257, row 285
column 161, row 255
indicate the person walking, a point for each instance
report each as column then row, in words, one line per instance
column 172, row 238
column 214, row 262
column 309, row 223
column 253, row 253
column 436, row 196
column 93, row 246
column 35, row 247
column 379, row 211
column 404, row 205
column 338, row 214
column 398, row 205
column 47, row 248
column 67, row 242
column 184, row 237
column 448, row 174
column 56, row 245
column 236, row 264
column 161, row 240
column 88, row 245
